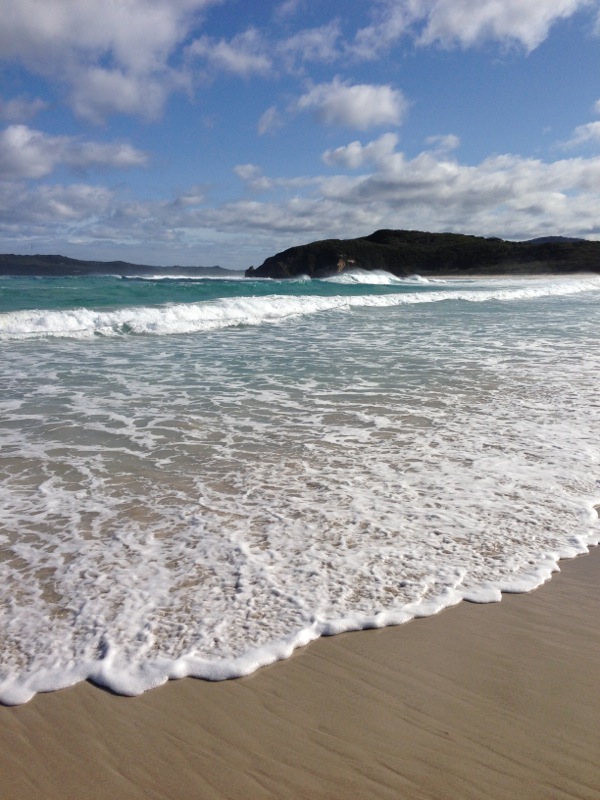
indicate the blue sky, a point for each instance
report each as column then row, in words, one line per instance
column 203, row 132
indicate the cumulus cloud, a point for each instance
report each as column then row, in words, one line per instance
column 252, row 53
column 355, row 154
column 463, row 22
column 506, row 195
column 128, row 56
column 82, row 214
column 27, row 153
column 251, row 175
column 69, row 41
column 246, row 54
column 139, row 35
column 393, row 19
column 584, row 135
column 20, row 109
column 444, row 143
column 45, row 209
column 310, row 44
column 469, row 22
column 99, row 92
column 194, row 196
column 288, row 8
column 359, row 105
column 255, row 181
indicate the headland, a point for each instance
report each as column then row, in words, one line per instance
column 404, row 253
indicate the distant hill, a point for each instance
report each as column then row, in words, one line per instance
column 547, row 239
column 61, row 266
column 407, row 252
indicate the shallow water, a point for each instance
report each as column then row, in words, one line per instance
column 198, row 487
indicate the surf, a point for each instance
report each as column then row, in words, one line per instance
column 251, row 310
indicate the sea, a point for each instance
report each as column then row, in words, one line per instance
column 198, row 476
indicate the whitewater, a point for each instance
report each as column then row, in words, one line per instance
column 199, row 476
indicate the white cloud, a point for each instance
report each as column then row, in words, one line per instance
column 126, row 56
column 255, row 181
column 45, row 209
column 247, row 172
column 463, row 22
column 71, row 41
column 505, row 195
column 469, row 22
column 310, row 44
column 20, row 109
column 358, row 105
column 254, row 53
column 27, row 153
column 583, row 135
column 253, row 178
column 194, row 196
column 246, row 54
column 99, row 92
column 288, row 8
column 138, row 35
column 269, row 121
column 355, row 155
column 444, row 143
column 392, row 19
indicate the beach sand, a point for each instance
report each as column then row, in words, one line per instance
column 481, row 701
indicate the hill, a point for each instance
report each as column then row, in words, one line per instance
column 407, row 252
column 61, row 266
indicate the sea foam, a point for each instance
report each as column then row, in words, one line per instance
column 204, row 504
column 242, row 311
column 375, row 277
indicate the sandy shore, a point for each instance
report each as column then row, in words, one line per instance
column 481, row 701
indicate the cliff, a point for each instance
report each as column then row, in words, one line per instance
column 407, row 252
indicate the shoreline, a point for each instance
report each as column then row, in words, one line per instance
column 492, row 701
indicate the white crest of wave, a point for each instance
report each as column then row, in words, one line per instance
column 375, row 277
column 234, row 276
column 182, row 318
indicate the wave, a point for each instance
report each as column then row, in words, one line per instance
column 183, row 318
column 114, row 671
column 309, row 498
column 375, row 277
column 235, row 276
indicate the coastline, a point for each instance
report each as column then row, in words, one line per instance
column 491, row 701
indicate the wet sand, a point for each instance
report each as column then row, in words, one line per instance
column 481, row 701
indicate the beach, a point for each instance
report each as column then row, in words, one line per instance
column 198, row 478
column 480, row 701
column 299, row 407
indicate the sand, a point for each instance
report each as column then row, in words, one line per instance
column 481, row 701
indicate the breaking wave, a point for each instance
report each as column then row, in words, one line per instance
column 180, row 318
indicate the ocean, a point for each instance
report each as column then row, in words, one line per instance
column 199, row 476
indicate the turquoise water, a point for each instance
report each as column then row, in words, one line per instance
column 196, row 477
column 17, row 294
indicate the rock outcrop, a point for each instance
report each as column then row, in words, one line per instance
column 405, row 253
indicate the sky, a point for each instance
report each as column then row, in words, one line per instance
column 220, row 132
